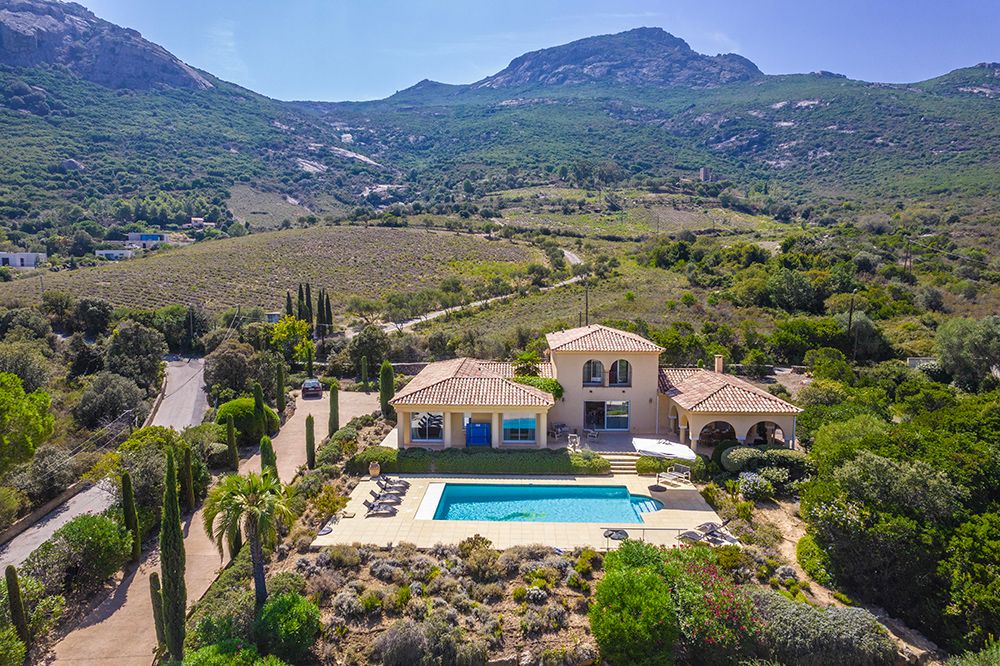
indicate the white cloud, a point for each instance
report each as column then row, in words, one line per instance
column 224, row 59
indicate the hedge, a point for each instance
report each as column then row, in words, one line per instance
column 651, row 465
column 242, row 412
column 813, row 560
column 483, row 461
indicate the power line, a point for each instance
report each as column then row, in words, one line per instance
column 953, row 255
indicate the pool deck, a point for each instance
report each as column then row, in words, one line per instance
column 683, row 509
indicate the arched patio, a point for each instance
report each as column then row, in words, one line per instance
column 765, row 433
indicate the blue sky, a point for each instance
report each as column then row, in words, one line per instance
column 366, row 49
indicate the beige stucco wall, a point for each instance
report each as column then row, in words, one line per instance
column 454, row 431
column 641, row 394
column 688, row 425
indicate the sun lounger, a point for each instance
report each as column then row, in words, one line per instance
column 386, row 498
column 378, row 509
column 385, row 482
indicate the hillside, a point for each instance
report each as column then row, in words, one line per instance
column 256, row 270
column 96, row 117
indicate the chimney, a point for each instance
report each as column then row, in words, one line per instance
column 720, row 364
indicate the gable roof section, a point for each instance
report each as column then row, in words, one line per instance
column 598, row 338
column 699, row 390
column 506, row 368
column 467, row 382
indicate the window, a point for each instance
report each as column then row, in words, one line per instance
column 593, row 373
column 616, row 415
column 426, row 426
column 519, row 427
column 620, row 373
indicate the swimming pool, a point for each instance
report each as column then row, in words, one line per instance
column 548, row 503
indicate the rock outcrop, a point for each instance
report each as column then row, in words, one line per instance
column 35, row 32
column 643, row 56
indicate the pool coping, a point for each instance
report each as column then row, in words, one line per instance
column 684, row 509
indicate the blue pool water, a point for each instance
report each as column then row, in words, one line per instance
column 542, row 503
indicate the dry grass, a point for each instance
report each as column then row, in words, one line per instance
column 263, row 210
column 257, row 269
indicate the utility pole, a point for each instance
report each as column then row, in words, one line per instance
column 850, row 324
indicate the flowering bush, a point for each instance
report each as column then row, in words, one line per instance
column 755, row 487
column 717, row 619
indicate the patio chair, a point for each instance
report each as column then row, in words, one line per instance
column 676, row 472
column 711, row 526
column 573, row 442
column 384, row 482
column 592, row 435
column 377, row 509
column 386, row 498
column 690, row 536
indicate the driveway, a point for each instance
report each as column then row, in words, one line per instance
column 120, row 630
column 183, row 404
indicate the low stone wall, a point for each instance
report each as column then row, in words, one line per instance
column 27, row 521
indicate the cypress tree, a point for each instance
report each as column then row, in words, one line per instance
column 288, row 303
column 333, row 423
column 320, row 314
column 310, row 442
column 279, row 390
column 300, row 306
column 329, row 311
column 234, row 454
column 386, row 388
column 131, row 515
column 157, row 597
column 16, row 605
column 309, row 362
column 309, row 304
column 187, row 479
column 268, row 458
column 259, row 414
column 174, row 590
column 364, row 373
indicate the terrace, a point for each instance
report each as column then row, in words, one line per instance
column 413, row 521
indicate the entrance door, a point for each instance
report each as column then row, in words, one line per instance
column 593, row 415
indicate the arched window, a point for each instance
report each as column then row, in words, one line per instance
column 620, row 373
column 593, row 373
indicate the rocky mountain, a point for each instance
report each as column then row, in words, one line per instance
column 643, row 56
column 35, row 32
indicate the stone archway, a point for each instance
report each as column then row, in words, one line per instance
column 715, row 432
column 765, row 433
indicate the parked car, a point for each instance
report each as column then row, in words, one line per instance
column 311, row 388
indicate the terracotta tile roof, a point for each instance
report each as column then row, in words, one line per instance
column 506, row 368
column 597, row 338
column 699, row 390
column 467, row 382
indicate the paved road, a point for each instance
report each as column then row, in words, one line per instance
column 183, row 405
column 571, row 257
column 120, row 630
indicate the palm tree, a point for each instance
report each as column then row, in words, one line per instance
column 254, row 504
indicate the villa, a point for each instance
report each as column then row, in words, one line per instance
column 613, row 389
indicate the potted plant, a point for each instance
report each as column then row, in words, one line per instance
column 374, row 469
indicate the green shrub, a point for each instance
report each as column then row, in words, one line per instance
column 343, row 555
column 796, row 462
column 988, row 656
column 632, row 554
column 633, row 619
column 519, row 593
column 813, row 560
column 42, row 611
column 81, row 555
column 241, row 410
column 547, row 384
column 740, row 458
column 484, row 461
column 286, row 581
column 232, row 652
column 721, row 448
column 12, row 650
column 651, row 465
column 287, row 626
column 371, row 602
column 797, row 633
column 226, row 610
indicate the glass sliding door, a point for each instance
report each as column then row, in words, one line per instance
column 610, row 415
column 616, row 415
